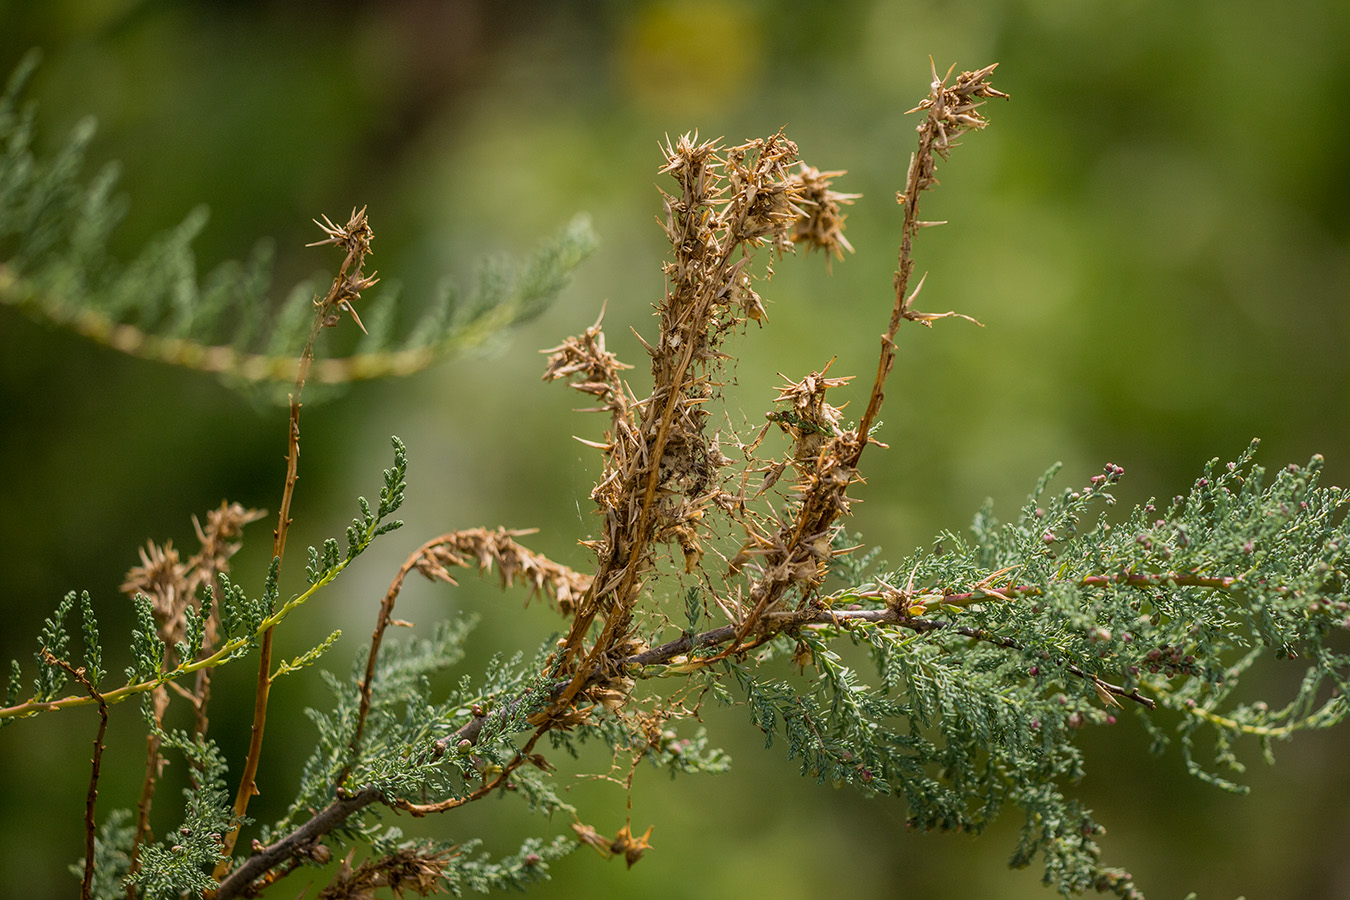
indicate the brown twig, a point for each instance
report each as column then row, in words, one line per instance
column 950, row 111
column 984, row 593
column 354, row 237
column 783, row 621
column 87, row 883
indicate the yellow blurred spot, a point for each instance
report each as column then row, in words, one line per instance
column 690, row 57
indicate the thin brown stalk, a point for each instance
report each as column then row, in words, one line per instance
column 677, row 651
column 355, row 238
column 949, row 112
column 90, row 833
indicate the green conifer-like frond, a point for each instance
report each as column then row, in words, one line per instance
column 1011, row 643
column 181, row 862
column 404, row 754
column 54, row 265
column 51, row 678
column 516, row 872
column 243, row 619
column 400, row 717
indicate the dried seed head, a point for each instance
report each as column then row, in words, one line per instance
column 820, row 223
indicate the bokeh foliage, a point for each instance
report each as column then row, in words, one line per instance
column 1155, row 235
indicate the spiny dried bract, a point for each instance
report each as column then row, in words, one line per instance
column 594, row 371
column 954, row 110
column 624, row 843
column 355, row 238
column 809, row 420
column 224, row 524
column 950, row 112
column 172, row 585
column 411, row 869
column 762, row 202
column 563, row 586
column 794, row 554
column 162, row 577
column 821, row 223
column 590, row 368
column 726, row 204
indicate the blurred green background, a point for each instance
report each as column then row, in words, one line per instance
column 1155, row 232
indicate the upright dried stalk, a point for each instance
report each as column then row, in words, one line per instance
column 350, row 281
column 661, row 465
column 949, row 113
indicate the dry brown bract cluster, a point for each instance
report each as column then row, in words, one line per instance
column 486, row 549
column 407, row 871
column 666, row 481
column 663, row 479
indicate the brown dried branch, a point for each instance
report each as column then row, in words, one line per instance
column 87, row 882
column 950, row 112
column 662, row 474
column 355, row 238
column 661, row 464
column 562, row 586
column 299, row 842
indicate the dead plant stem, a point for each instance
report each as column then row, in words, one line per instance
column 355, row 238
column 87, row 882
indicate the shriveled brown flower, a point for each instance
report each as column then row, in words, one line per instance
column 412, row 869
column 624, row 843
column 219, row 537
column 820, row 223
column 167, row 582
column 482, row 547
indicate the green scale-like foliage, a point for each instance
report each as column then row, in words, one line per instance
column 975, row 702
column 54, row 265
